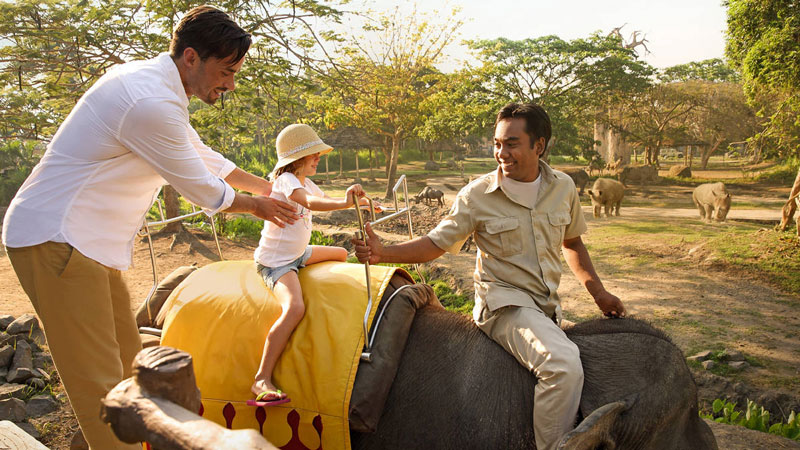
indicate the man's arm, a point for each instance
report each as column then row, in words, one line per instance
column 245, row 181
column 580, row 263
column 418, row 250
column 266, row 208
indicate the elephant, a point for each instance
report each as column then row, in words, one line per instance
column 457, row 389
column 449, row 386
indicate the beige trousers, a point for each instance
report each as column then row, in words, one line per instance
column 85, row 309
column 543, row 348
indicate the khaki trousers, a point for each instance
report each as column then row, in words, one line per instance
column 85, row 309
column 543, row 348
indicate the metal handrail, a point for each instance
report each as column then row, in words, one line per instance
column 361, row 234
column 146, row 226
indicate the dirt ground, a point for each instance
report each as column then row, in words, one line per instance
column 741, row 311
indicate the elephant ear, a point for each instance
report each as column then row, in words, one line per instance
column 595, row 431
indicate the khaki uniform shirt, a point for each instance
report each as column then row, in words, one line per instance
column 519, row 248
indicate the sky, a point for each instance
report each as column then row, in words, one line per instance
column 677, row 31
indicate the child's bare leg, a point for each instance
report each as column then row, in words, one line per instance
column 320, row 253
column 287, row 290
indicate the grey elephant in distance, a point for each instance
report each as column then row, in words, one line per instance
column 457, row 389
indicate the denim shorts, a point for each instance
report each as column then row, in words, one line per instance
column 271, row 275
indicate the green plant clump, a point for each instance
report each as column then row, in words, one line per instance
column 317, row 238
column 755, row 417
column 241, row 226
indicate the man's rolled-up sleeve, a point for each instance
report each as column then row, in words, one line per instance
column 156, row 130
column 214, row 161
column 451, row 233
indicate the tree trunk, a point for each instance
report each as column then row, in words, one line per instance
column 386, row 148
column 341, row 163
column 392, row 176
column 358, row 171
column 173, row 209
column 790, row 206
column 371, row 164
column 707, row 152
column 327, row 171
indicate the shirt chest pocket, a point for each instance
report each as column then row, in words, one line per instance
column 556, row 225
column 507, row 231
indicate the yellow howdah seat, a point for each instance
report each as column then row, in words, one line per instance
column 221, row 315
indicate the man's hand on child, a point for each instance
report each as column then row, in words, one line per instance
column 278, row 212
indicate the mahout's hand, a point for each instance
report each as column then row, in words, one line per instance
column 369, row 250
column 610, row 305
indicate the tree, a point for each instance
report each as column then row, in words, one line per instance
column 380, row 87
column 655, row 117
column 460, row 110
column 572, row 80
column 713, row 70
column 58, row 48
column 722, row 116
column 763, row 42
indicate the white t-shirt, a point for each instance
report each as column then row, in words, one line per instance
column 524, row 193
column 280, row 246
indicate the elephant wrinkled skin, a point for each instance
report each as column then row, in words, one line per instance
column 457, row 389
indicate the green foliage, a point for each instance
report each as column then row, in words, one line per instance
column 714, row 70
column 762, row 42
column 781, row 174
column 17, row 159
column 451, row 300
column 29, row 392
column 241, row 227
column 317, row 238
column 54, row 50
column 572, row 80
column 754, row 417
column 384, row 76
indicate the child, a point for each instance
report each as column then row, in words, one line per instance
column 282, row 251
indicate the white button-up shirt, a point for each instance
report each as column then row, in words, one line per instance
column 124, row 139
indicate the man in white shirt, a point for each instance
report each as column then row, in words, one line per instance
column 70, row 229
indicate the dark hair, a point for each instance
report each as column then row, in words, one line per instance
column 210, row 32
column 537, row 122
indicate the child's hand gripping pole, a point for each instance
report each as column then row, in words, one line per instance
column 361, row 234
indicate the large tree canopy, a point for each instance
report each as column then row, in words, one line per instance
column 572, row 80
column 383, row 78
column 764, row 43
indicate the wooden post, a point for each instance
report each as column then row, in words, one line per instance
column 158, row 404
column 358, row 174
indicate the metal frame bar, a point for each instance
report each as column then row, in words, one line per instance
column 366, row 354
column 146, row 226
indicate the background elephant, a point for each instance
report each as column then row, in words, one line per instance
column 456, row 389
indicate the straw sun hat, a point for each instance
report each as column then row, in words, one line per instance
column 296, row 141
